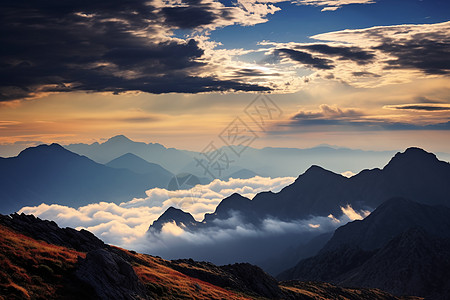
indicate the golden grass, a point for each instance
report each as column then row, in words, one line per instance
column 30, row 268
column 167, row 283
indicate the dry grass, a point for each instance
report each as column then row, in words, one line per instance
column 166, row 283
column 31, row 269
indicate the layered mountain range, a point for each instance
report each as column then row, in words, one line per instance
column 278, row 162
column 53, row 175
column 415, row 174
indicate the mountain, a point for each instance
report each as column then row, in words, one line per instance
column 138, row 165
column 169, row 158
column 390, row 219
column 414, row 174
column 243, row 174
column 49, row 267
column 51, row 174
column 278, row 162
column 275, row 217
column 179, row 217
column 402, row 247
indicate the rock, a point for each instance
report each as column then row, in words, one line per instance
column 49, row 232
column 110, row 276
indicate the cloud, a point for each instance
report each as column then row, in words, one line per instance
column 306, row 59
column 327, row 111
column 332, row 116
column 352, row 214
column 234, row 240
column 372, row 57
column 348, row 174
column 125, row 223
column 332, row 5
column 223, row 241
column 420, row 107
column 120, row 47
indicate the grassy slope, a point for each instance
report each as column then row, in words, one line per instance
column 31, row 269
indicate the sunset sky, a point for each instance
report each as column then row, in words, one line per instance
column 352, row 73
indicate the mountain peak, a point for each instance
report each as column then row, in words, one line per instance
column 411, row 156
column 43, row 149
column 119, row 139
column 317, row 172
column 172, row 214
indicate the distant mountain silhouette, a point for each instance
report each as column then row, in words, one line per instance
column 403, row 247
column 138, row 165
column 281, row 162
column 243, row 174
column 169, row 158
column 51, row 174
column 278, row 162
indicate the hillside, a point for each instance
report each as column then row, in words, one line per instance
column 37, row 269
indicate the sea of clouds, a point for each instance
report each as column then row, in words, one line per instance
column 125, row 224
column 225, row 241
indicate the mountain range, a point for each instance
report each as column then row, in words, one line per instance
column 42, row 261
column 278, row 162
column 414, row 174
column 53, row 175
column 318, row 193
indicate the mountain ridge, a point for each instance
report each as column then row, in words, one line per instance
column 402, row 247
column 53, row 174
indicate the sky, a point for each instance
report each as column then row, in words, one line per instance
column 365, row 74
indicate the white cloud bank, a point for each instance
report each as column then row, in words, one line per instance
column 226, row 241
column 125, row 224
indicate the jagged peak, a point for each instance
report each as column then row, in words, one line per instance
column 119, row 138
column 317, row 171
column 412, row 155
column 171, row 211
column 44, row 148
column 232, row 200
column 176, row 215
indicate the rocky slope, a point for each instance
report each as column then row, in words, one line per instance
column 39, row 260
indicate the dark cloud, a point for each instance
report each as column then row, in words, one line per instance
column 307, row 59
column 425, row 52
column 195, row 13
column 351, row 118
column 113, row 46
column 364, row 125
column 422, row 107
column 356, row 54
column 365, row 74
column 252, row 73
column 327, row 111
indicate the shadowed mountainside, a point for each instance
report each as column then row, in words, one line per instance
column 414, row 174
column 34, row 268
column 51, row 174
column 402, row 247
